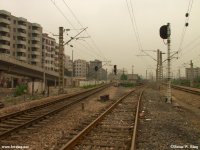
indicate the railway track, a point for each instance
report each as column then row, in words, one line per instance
column 186, row 90
column 115, row 128
column 14, row 122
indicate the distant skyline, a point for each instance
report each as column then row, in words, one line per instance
column 110, row 28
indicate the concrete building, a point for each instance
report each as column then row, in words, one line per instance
column 132, row 77
column 20, row 39
column 100, row 74
column 49, row 54
column 68, row 63
column 80, row 68
column 196, row 72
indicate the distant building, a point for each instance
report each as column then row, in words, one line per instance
column 132, row 77
column 80, row 68
column 196, row 72
column 100, row 74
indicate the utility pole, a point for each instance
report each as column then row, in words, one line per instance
column 61, row 61
column 61, row 56
column 165, row 33
column 132, row 72
column 146, row 74
column 191, row 74
column 158, row 65
column 44, row 73
column 72, row 75
column 161, row 67
column 169, row 91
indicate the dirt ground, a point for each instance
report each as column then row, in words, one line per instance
column 185, row 99
column 46, row 135
column 167, row 126
column 7, row 98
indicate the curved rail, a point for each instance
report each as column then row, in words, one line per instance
column 7, row 116
column 32, row 116
column 73, row 142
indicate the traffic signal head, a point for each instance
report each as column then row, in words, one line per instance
column 115, row 69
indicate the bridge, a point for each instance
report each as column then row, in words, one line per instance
column 12, row 66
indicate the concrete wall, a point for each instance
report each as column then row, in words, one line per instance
column 38, row 86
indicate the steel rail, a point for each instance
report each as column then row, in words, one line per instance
column 78, row 137
column 185, row 89
column 43, row 116
column 57, row 100
column 133, row 143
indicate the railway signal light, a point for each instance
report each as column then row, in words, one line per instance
column 96, row 68
column 115, row 69
column 164, row 32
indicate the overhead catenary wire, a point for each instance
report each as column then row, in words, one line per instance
column 129, row 5
column 132, row 16
column 185, row 25
column 76, row 18
column 68, row 21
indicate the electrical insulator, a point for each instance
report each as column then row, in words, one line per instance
column 186, row 24
column 187, row 14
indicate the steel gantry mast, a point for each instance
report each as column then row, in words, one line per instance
column 61, row 61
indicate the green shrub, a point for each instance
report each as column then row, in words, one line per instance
column 21, row 89
column 89, row 86
column 127, row 84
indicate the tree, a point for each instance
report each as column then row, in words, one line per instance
column 123, row 77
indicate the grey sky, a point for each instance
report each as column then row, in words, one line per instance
column 110, row 27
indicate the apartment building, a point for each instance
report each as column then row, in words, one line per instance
column 80, row 68
column 49, row 55
column 20, row 39
column 196, row 72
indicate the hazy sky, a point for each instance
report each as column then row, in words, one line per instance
column 110, row 28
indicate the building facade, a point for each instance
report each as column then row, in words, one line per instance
column 196, row 72
column 20, row 39
column 92, row 73
column 80, row 68
column 48, row 52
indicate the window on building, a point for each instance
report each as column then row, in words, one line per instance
column 14, row 29
column 14, row 21
column 13, row 37
column 13, row 45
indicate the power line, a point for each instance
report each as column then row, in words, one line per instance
column 95, row 45
column 62, row 14
column 187, row 15
column 136, row 25
column 133, row 24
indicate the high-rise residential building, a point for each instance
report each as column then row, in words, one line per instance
column 196, row 72
column 80, row 68
column 20, row 39
column 48, row 52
